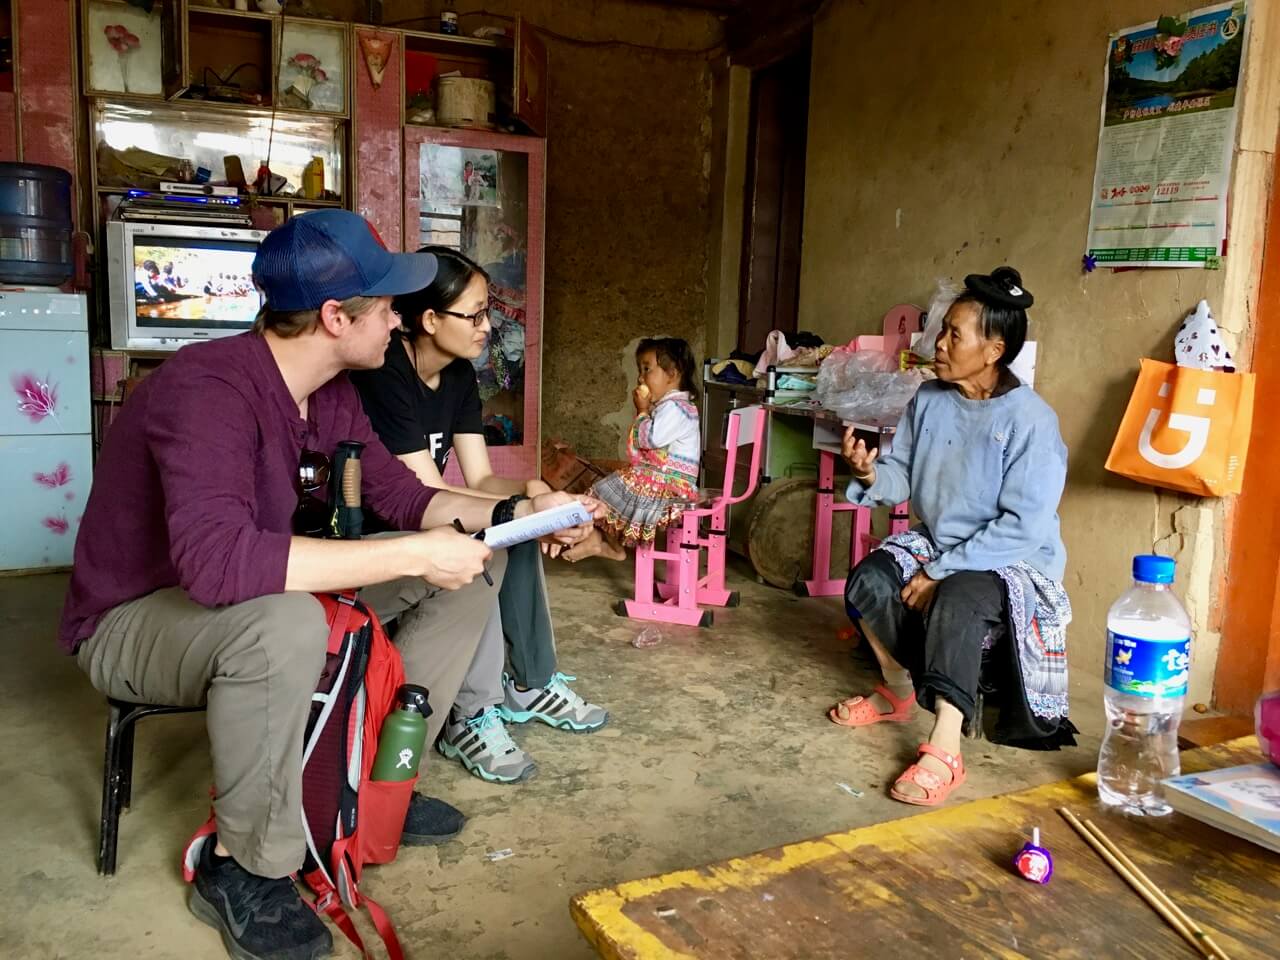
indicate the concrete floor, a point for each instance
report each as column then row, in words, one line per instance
column 718, row 747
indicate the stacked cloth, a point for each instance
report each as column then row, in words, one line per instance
column 807, row 351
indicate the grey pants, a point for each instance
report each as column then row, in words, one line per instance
column 255, row 666
column 523, row 619
column 526, row 617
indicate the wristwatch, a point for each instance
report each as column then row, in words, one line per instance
column 504, row 511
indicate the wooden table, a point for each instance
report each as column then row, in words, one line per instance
column 940, row 885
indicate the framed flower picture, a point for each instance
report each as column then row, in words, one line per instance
column 123, row 49
column 313, row 67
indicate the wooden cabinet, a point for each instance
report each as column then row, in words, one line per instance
column 228, row 55
column 186, row 91
column 185, row 50
column 244, row 84
column 516, row 65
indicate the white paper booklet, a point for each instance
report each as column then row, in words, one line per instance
column 535, row 525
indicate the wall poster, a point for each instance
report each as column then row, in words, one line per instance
column 1168, row 131
column 459, row 177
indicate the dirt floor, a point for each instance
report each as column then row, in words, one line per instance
column 718, row 746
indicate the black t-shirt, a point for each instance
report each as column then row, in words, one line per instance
column 409, row 416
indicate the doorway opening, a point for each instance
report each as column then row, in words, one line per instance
column 774, row 221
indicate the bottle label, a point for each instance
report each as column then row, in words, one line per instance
column 1147, row 668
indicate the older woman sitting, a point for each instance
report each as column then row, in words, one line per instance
column 980, row 456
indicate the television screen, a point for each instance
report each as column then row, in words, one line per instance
column 181, row 281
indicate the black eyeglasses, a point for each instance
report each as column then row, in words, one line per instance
column 477, row 318
column 312, row 517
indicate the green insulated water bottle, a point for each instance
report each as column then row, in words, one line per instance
column 403, row 735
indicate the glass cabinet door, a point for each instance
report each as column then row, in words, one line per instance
column 482, row 193
column 125, row 47
column 313, row 66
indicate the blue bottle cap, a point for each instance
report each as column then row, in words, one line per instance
column 1152, row 569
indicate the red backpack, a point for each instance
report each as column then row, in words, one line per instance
column 349, row 819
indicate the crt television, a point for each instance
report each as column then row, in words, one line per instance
column 172, row 283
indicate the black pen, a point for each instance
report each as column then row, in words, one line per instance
column 457, row 525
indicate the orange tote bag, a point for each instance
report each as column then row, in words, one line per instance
column 1185, row 429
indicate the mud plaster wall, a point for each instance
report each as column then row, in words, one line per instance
column 628, row 200
column 949, row 138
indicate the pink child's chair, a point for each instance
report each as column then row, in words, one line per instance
column 684, row 588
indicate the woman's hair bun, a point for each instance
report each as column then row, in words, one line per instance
column 1003, row 286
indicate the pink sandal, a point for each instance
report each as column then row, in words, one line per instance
column 935, row 791
column 862, row 712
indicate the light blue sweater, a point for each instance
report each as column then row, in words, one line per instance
column 985, row 476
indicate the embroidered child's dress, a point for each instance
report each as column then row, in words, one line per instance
column 664, row 446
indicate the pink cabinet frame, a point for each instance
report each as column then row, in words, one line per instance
column 375, row 138
column 522, row 461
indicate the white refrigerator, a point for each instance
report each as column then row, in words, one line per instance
column 46, row 437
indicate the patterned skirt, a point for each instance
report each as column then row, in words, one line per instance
column 642, row 499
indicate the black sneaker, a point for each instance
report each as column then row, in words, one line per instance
column 259, row 919
column 430, row 821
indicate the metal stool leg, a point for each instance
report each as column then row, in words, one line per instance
column 117, row 771
column 118, row 721
column 127, row 727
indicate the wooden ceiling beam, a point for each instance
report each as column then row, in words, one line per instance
column 762, row 32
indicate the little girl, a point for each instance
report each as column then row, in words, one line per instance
column 664, row 447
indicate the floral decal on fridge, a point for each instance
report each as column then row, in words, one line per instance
column 59, row 477
column 37, row 399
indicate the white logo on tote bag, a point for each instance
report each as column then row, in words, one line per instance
column 1196, row 429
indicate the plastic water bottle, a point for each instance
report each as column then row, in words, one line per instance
column 1148, row 660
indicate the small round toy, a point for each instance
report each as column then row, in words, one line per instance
column 1033, row 861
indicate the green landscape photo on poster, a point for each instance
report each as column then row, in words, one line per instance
column 1179, row 64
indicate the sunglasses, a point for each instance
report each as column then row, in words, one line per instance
column 312, row 517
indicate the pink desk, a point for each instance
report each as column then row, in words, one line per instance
column 827, row 432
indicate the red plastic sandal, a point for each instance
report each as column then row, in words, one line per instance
column 861, row 712
column 935, row 791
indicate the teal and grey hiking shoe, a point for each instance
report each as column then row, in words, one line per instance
column 554, row 704
column 485, row 748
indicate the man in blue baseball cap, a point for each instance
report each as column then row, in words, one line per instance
column 191, row 587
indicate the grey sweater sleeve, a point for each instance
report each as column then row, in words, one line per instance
column 893, row 472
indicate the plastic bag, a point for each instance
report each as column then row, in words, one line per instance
column 944, row 295
column 845, row 368
column 866, row 386
column 877, row 399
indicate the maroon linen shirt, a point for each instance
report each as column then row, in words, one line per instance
column 196, row 482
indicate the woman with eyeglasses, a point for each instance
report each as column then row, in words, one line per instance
column 424, row 403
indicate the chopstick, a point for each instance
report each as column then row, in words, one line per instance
column 1156, row 898
column 1191, row 925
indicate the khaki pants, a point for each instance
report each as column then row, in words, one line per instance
column 255, row 666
